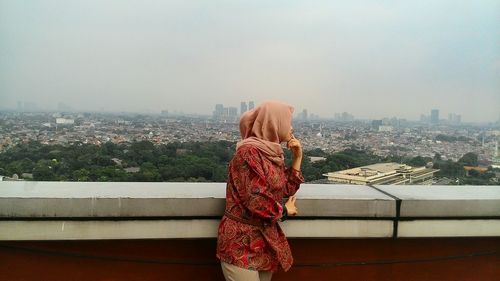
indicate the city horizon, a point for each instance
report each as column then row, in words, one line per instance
column 33, row 107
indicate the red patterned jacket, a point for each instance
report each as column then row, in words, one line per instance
column 255, row 190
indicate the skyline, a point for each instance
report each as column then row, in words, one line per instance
column 428, row 118
column 370, row 59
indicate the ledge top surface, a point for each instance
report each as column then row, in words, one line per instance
column 30, row 189
column 443, row 192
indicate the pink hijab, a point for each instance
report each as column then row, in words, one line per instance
column 265, row 127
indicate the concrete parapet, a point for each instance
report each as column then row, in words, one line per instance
column 84, row 210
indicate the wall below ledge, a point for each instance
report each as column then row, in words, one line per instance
column 412, row 259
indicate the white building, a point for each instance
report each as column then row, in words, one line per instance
column 64, row 121
column 383, row 173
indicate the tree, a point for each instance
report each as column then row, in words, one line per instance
column 81, row 175
column 469, row 159
column 148, row 172
column 451, row 169
column 437, row 157
column 417, row 161
column 200, row 161
column 20, row 166
column 44, row 171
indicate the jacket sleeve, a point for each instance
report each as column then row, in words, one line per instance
column 248, row 178
column 294, row 179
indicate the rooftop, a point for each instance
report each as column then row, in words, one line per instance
column 383, row 173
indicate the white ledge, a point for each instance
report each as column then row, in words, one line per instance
column 82, row 210
column 180, row 229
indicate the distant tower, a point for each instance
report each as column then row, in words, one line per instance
column 496, row 150
column 232, row 112
column 61, row 106
column 243, row 107
column 219, row 110
column 320, row 134
column 251, row 105
column 376, row 124
column 304, row 114
column 435, row 116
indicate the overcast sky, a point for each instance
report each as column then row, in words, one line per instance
column 371, row 58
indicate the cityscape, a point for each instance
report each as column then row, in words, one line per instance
column 396, row 138
column 450, row 137
column 121, row 156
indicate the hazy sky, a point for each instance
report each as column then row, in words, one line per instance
column 371, row 58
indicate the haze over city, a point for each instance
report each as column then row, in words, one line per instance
column 372, row 59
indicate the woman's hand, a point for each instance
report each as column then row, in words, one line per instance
column 290, row 206
column 295, row 147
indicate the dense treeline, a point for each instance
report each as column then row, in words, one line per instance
column 455, row 170
column 110, row 162
column 191, row 161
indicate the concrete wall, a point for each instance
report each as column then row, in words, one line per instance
column 75, row 210
column 166, row 231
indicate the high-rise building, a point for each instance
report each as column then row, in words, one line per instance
column 346, row 117
column 232, row 112
column 304, row 114
column 219, row 110
column 251, row 105
column 225, row 114
column 435, row 116
column 27, row 106
column 454, row 118
column 376, row 124
column 243, row 107
column 63, row 107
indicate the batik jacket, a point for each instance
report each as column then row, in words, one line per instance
column 254, row 194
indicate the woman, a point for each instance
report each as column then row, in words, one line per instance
column 251, row 244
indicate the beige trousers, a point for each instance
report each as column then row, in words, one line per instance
column 235, row 273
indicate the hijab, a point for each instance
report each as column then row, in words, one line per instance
column 265, row 127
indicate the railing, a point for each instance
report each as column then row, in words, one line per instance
column 84, row 210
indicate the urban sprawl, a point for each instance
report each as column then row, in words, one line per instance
column 389, row 136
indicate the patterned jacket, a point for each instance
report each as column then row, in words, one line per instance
column 249, row 235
